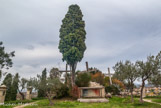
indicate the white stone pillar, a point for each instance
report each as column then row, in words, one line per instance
column 28, row 94
column 2, row 94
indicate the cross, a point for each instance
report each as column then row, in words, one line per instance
column 66, row 70
column 109, row 76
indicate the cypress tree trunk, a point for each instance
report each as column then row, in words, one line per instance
column 73, row 75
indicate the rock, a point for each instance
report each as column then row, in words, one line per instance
column 108, row 95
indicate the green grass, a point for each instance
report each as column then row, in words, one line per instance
column 114, row 102
column 155, row 98
column 11, row 104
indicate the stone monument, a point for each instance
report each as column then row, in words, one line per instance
column 29, row 92
column 94, row 93
column 2, row 94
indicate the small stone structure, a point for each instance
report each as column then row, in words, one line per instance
column 94, row 93
column 2, row 94
column 19, row 97
column 28, row 93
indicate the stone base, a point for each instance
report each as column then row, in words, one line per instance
column 1, row 103
column 93, row 100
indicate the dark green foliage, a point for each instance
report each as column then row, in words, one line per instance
column 112, row 89
column 5, row 59
column 42, row 88
column 62, row 92
column 15, row 86
column 12, row 86
column 72, row 38
column 83, row 79
column 93, row 70
column 8, row 82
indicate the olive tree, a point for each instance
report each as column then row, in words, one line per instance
column 128, row 73
column 22, row 86
column 148, row 69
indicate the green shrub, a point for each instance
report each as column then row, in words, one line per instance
column 62, row 92
column 112, row 89
column 83, row 79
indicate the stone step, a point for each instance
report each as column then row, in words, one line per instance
column 93, row 100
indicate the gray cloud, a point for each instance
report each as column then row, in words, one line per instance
column 116, row 30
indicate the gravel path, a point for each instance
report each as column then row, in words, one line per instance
column 27, row 104
column 150, row 101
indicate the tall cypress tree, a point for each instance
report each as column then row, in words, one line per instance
column 15, row 86
column 8, row 82
column 5, row 58
column 72, row 38
column 41, row 88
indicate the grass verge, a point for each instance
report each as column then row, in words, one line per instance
column 114, row 102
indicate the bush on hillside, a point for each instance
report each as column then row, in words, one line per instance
column 62, row 92
column 112, row 89
column 83, row 79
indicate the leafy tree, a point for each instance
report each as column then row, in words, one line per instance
column 128, row 73
column 15, row 86
column 53, row 86
column 43, row 78
column 72, row 38
column 34, row 83
column 22, row 85
column 156, row 80
column 148, row 69
column 8, row 82
column 64, row 90
column 98, row 77
column 54, row 73
column 5, row 59
column 83, row 79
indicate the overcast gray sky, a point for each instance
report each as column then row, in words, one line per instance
column 116, row 30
